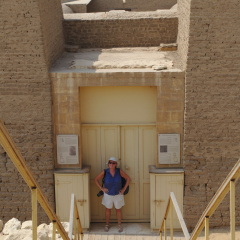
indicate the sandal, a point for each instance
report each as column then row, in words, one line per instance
column 120, row 228
column 106, row 228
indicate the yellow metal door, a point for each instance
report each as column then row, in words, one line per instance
column 135, row 147
column 99, row 143
column 92, row 156
column 147, row 156
column 65, row 185
column 162, row 185
column 129, row 164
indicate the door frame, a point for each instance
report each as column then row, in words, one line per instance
column 119, row 125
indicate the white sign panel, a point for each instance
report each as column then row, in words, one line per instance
column 169, row 148
column 67, row 149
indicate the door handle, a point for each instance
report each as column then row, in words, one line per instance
column 158, row 201
column 82, row 202
column 126, row 167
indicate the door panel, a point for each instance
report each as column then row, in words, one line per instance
column 135, row 146
column 109, row 148
column 91, row 140
column 147, row 156
column 99, row 143
column 165, row 184
column 109, row 144
column 66, row 184
column 129, row 164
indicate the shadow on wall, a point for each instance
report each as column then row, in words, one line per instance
column 88, row 6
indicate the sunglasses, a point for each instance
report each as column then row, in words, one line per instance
column 111, row 162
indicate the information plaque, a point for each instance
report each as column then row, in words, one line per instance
column 169, row 148
column 67, row 149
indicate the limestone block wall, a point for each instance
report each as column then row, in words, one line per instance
column 52, row 31
column 183, row 30
column 134, row 5
column 103, row 30
column 212, row 105
column 170, row 97
column 29, row 31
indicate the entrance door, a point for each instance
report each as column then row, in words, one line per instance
column 135, row 147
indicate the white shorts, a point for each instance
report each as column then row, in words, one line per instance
column 108, row 201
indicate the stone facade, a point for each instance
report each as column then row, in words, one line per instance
column 100, row 30
column 211, row 47
column 31, row 40
column 170, row 97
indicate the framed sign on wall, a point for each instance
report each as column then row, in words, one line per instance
column 67, row 150
column 169, row 149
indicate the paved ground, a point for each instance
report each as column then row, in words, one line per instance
column 142, row 231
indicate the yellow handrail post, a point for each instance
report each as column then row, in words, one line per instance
column 206, row 228
column 232, row 208
column 160, row 235
column 165, row 229
column 171, row 219
column 75, row 225
column 34, row 213
column 54, row 230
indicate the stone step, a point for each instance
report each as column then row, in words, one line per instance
column 118, row 237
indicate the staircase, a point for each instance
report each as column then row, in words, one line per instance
column 131, row 231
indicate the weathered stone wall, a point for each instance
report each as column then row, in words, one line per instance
column 212, row 104
column 52, row 30
column 134, row 5
column 100, row 30
column 30, row 41
column 183, row 30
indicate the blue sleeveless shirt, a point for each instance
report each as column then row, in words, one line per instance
column 113, row 183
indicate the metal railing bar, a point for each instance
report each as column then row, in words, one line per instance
column 172, row 203
column 19, row 162
column 165, row 215
column 74, row 220
column 232, row 208
column 34, row 213
column 71, row 218
column 180, row 217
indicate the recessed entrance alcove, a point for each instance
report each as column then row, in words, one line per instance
column 116, row 101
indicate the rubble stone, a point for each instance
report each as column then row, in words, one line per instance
column 12, row 225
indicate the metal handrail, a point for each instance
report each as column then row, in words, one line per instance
column 172, row 203
column 74, row 221
column 227, row 185
column 37, row 194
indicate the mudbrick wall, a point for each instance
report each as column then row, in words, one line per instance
column 133, row 5
column 31, row 38
column 212, row 104
column 104, row 30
